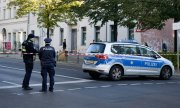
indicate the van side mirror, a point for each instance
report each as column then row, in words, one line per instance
column 154, row 56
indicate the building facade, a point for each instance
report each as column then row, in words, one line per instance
column 78, row 37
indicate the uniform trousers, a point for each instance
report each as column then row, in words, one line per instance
column 27, row 76
column 47, row 69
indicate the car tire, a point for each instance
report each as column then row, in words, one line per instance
column 166, row 73
column 116, row 73
column 94, row 75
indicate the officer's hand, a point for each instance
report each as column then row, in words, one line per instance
column 34, row 57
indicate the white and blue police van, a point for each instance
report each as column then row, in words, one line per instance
column 118, row 59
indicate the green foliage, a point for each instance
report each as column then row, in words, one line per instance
column 151, row 14
column 171, row 56
column 146, row 14
column 49, row 12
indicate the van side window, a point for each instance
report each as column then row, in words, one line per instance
column 145, row 52
column 117, row 49
column 130, row 50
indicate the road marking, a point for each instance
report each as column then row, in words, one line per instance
column 148, row 83
column 135, row 84
column 19, row 94
column 74, row 89
column 56, row 83
column 106, row 86
column 171, row 82
column 40, row 72
column 160, row 83
column 11, row 68
column 91, row 87
column 121, row 84
column 11, row 83
column 58, row 90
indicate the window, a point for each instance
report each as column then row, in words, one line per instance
column 9, row 37
column 0, row 12
column 51, row 32
column 112, row 34
column 4, row 13
column 117, row 49
column 9, row 13
column 131, row 34
column 32, row 31
column 14, row 11
column 148, row 53
column 96, row 48
column 61, row 35
column 130, row 50
column 83, row 42
column 97, row 33
column 24, row 36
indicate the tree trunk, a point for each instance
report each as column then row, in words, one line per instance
column 47, row 32
column 115, row 31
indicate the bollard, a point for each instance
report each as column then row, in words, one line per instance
column 77, row 57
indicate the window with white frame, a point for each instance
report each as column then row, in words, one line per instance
column 4, row 13
column 83, row 40
column 14, row 11
column 24, row 36
column 9, row 37
column 61, row 35
column 97, row 33
column 131, row 33
column 9, row 16
column 51, row 32
column 0, row 12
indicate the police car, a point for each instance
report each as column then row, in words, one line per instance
column 118, row 59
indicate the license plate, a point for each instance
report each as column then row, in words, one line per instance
column 89, row 62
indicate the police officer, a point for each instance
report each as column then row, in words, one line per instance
column 28, row 58
column 47, row 57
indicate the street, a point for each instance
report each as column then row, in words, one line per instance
column 75, row 89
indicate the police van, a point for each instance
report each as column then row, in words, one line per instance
column 118, row 59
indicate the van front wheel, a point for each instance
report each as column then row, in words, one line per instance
column 166, row 73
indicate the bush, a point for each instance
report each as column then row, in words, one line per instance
column 171, row 56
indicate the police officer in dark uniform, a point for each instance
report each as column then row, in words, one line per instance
column 47, row 57
column 28, row 57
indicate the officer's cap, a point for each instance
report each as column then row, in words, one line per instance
column 31, row 36
column 47, row 40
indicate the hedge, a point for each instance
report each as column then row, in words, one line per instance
column 171, row 56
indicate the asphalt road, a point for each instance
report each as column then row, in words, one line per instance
column 75, row 89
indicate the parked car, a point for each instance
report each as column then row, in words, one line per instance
column 118, row 59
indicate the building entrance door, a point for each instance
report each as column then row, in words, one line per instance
column 74, row 40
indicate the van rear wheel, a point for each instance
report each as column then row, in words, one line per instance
column 94, row 75
column 116, row 73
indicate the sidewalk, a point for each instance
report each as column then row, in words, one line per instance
column 71, row 58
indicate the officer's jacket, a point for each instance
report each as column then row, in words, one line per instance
column 28, row 51
column 47, row 55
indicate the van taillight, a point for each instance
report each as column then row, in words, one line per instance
column 103, row 57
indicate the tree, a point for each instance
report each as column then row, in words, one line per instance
column 49, row 12
column 104, row 11
column 152, row 14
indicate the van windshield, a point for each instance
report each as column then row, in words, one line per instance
column 96, row 48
